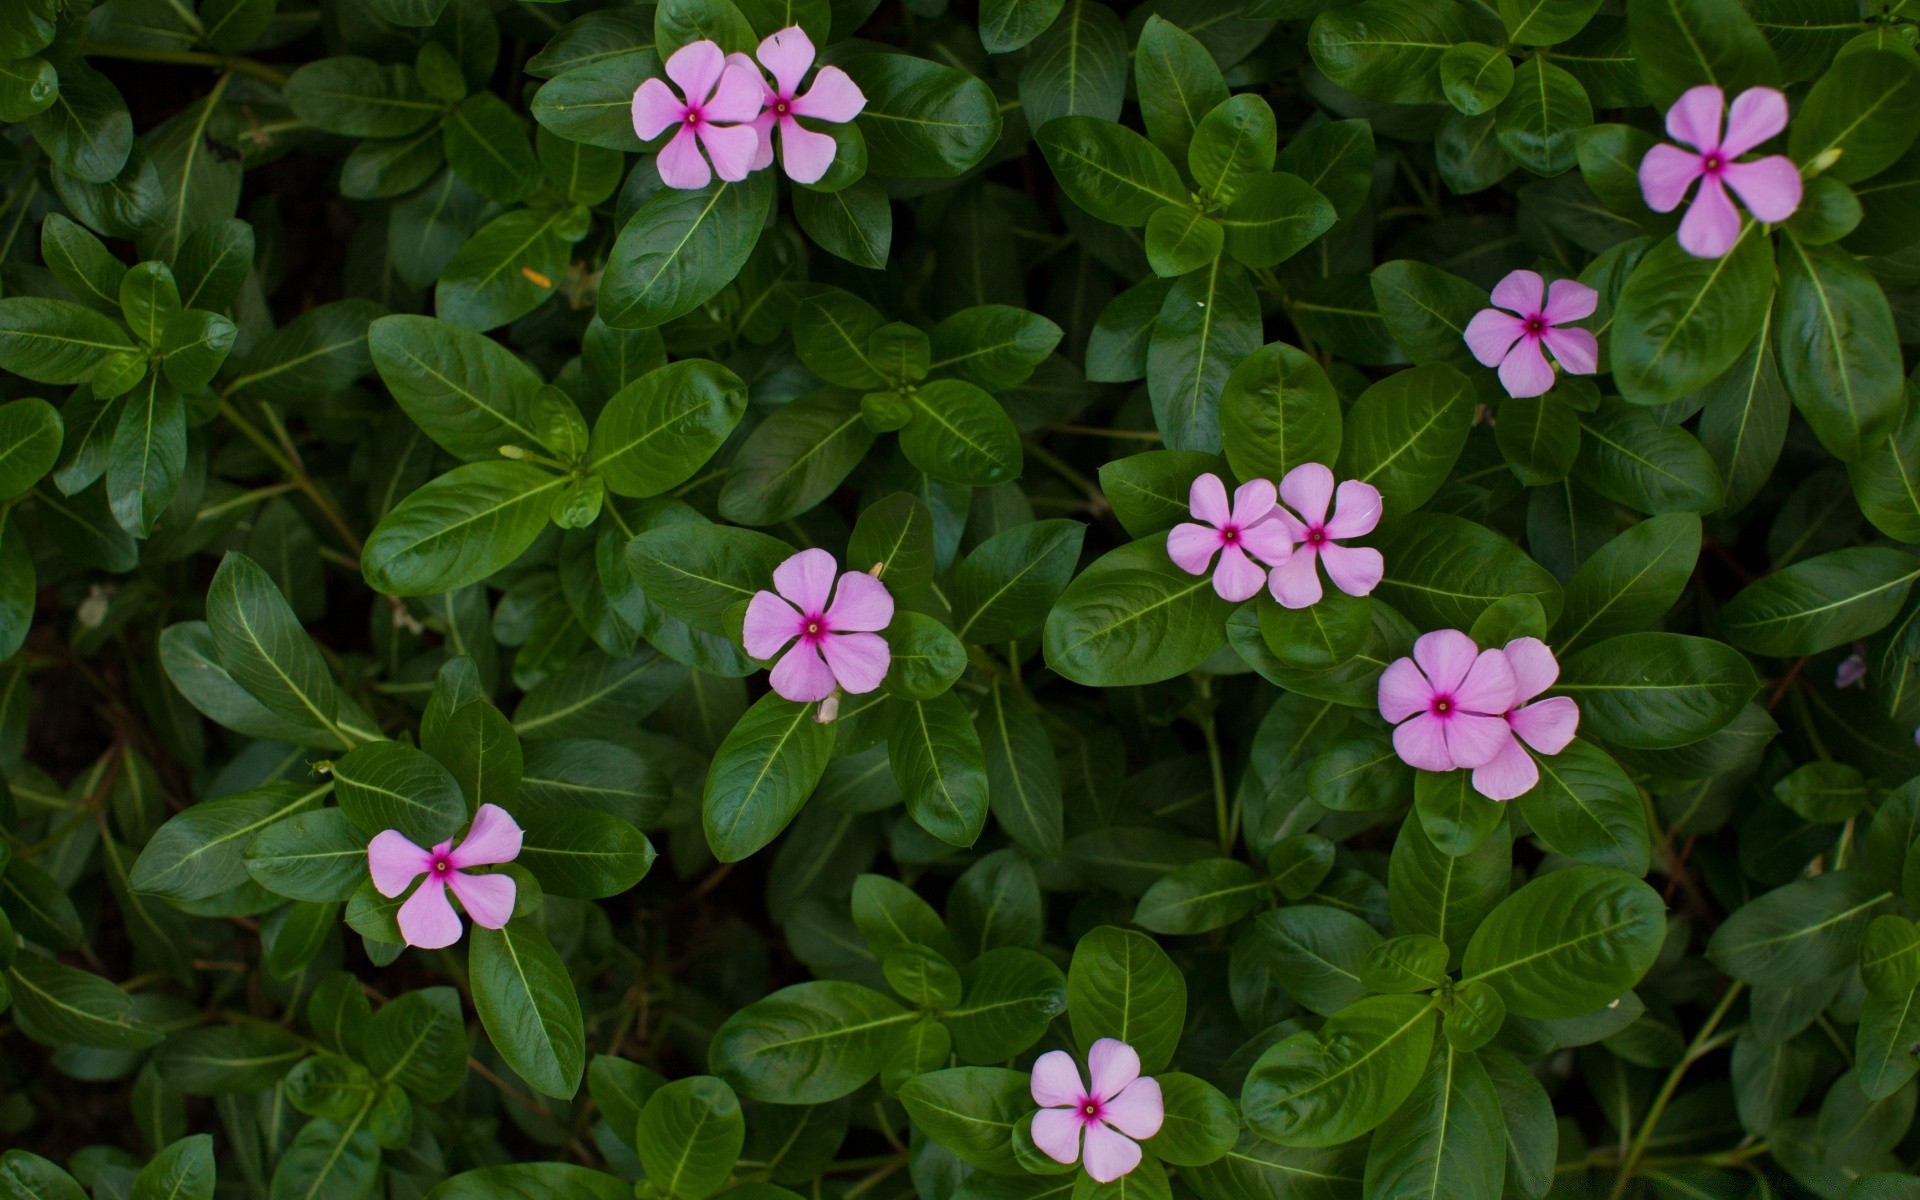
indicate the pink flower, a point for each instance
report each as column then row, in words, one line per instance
column 1355, row 570
column 1239, row 534
column 719, row 94
column 1546, row 725
column 1457, row 697
column 834, row 97
column 845, row 632
column 1119, row 1112
column 426, row 919
column 1852, row 669
column 1770, row 186
column 1513, row 338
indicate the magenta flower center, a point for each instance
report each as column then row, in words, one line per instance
column 440, row 864
column 814, row 629
column 1536, row 325
column 693, row 114
column 1316, row 535
column 1442, row 705
column 1091, row 1110
column 781, row 106
column 1712, row 162
column 1229, row 534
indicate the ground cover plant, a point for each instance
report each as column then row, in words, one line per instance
column 1019, row 600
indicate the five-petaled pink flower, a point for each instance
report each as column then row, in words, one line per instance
column 834, row 97
column 1770, row 186
column 426, row 919
column 844, row 632
column 1448, row 703
column 1240, row 534
column 1356, row 570
column 1534, row 315
column 720, row 96
column 1117, row 1113
column 1546, row 725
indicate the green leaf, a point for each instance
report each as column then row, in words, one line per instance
column 1838, row 349
column 1200, row 896
column 86, row 131
column 1628, row 456
column 1278, row 410
column 1209, row 323
column 584, row 853
column 961, row 434
column 1122, row 985
column 1629, row 583
column 201, row 852
column 181, row 1171
column 1388, row 50
column 1427, row 310
column 972, row 1112
column 459, row 528
column 1657, row 690
column 1886, row 483
column 468, row 392
column 592, row 101
column 1682, row 321
column 680, row 248
column 1538, row 121
column 1681, row 43
column 1133, row 617
column 58, row 1003
column 264, row 650
column 30, row 437
column 1023, row 779
column 1448, row 1140
column 1177, row 81
column 1475, row 77
column 1586, row 808
column 697, row 571
column 1005, row 587
column 1321, row 1089
column 1820, row 602
column 527, row 1003
column 808, row 1044
column 761, row 775
column 1078, row 67
column 1866, row 109
column 1445, row 571
column 1232, row 147
column 1799, row 934
column 55, row 341
column 388, row 785
column 657, row 431
column 1109, row 170
column 1569, row 942
column 360, row 98
column 923, row 120
column 940, row 766
column 507, row 268
column 1404, row 433
column 690, row 1134
column 1011, row 995
column 1007, row 25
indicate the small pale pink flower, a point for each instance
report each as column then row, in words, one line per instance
column 1852, row 669
column 1546, row 725
column 1533, row 316
column 720, row 97
column 1356, row 570
column 1240, row 535
column 834, row 97
column 1448, row 703
column 834, row 629
column 1116, row 1114
column 1770, row 186
column 426, row 919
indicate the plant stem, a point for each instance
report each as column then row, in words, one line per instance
column 1698, row 1049
column 236, row 63
column 1066, row 471
column 295, row 473
column 1224, row 817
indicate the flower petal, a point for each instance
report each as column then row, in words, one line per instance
column 1356, row 510
column 1252, row 502
column 488, row 899
column 1524, row 372
column 680, row 163
column 1666, row 173
column 1057, row 1132
column 1576, row 350
column 1270, row 541
column 1757, row 114
column 1111, row 1066
column 1695, row 117
column 1770, row 187
column 1308, row 489
column 1520, row 292
column 787, row 53
column 1056, row 1081
column 1355, row 570
column 1547, row 725
column 834, row 97
column 426, row 920
column 1207, row 500
column 741, row 93
column 395, row 862
column 804, row 154
column 771, row 623
column 1712, row 224
column 1488, row 687
column 1472, row 739
column 1238, row 577
column 1404, row 691
column 1446, row 655
column 806, row 580
column 1534, row 667
column 858, row 660
column 1138, row 1110
column 1510, row 775
column 655, row 108
column 696, row 67
column 1191, row 547
column 861, row 603
column 801, row 675
column 732, row 148
column 763, row 153
column 1491, row 333
column 493, row 838
column 1295, row 583
column 1422, row 743
column 1110, row 1154
column 1569, row 300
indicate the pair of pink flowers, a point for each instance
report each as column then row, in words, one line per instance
column 427, row 920
column 1115, row 1115
column 1770, row 187
column 1290, row 539
column 1455, row 706
column 726, row 106
column 835, row 629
